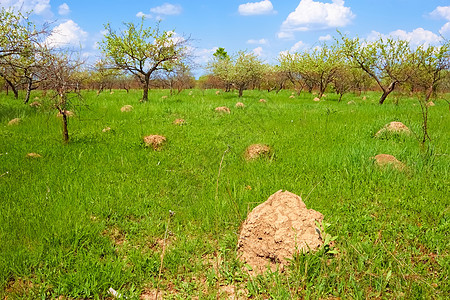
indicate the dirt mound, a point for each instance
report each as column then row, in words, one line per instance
column 291, row 97
column 351, row 102
column 262, row 100
column 386, row 160
column 223, row 109
column 240, row 105
column 35, row 104
column 316, row 99
column 393, row 127
column 68, row 113
column 217, row 92
column 431, row 103
column 34, row 155
column 277, row 229
column 257, row 150
column 106, row 129
column 126, row 108
column 14, row 121
column 155, row 141
column 179, row 122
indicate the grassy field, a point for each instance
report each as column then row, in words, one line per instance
column 95, row 213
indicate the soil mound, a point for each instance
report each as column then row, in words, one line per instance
column 155, row 141
column 217, row 92
column 387, row 160
column 179, row 122
column 431, row 103
column 68, row 113
column 395, row 128
column 34, row 155
column 106, row 129
column 126, row 108
column 35, row 104
column 277, row 229
column 240, row 105
column 223, row 109
column 316, row 99
column 262, row 100
column 14, row 121
column 257, row 150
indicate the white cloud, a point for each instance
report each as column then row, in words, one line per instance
column 141, row 14
column 66, row 34
column 297, row 46
column 38, row 7
column 325, row 38
column 418, row 36
column 314, row 15
column 264, row 7
column 63, row 9
column 202, row 56
column 441, row 12
column 259, row 42
column 445, row 30
column 258, row 51
column 167, row 9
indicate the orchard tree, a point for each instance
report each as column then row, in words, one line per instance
column 387, row 61
column 430, row 65
column 246, row 69
column 291, row 65
column 319, row 66
column 220, row 66
column 59, row 72
column 143, row 51
column 19, row 42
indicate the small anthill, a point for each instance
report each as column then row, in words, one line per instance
column 126, row 108
column 240, row 105
column 387, row 160
column 262, row 100
column 179, row 122
column 155, row 141
column 35, row 104
column 34, row 155
column 14, row 121
column 223, row 109
column 68, row 113
column 257, row 151
column 106, row 129
column 316, row 99
column 394, row 128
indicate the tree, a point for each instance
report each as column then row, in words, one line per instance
column 59, row 72
column 247, row 69
column 221, row 53
column 220, row 66
column 19, row 42
column 430, row 65
column 143, row 51
column 387, row 61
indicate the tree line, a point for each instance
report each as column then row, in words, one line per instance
column 138, row 56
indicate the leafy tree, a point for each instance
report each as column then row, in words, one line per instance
column 387, row 61
column 247, row 69
column 221, row 53
column 19, row 42
column 143, row 51
column 220, row 66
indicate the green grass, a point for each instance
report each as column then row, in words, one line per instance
column 92, row 214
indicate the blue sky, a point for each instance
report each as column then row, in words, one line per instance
column 265, row 27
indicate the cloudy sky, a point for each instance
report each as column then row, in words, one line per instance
column 266, row 27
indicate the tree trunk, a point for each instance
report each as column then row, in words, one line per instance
column 65, row 130
column 29, row 89
column 241, row 90
column 13, row 88
column 387, row 91
column 146, row 85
